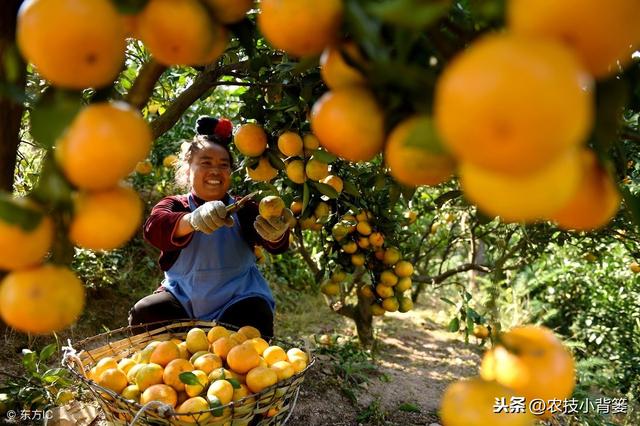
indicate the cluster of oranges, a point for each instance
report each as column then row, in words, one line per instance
column 512, row 113
column 364, row 246
column 526, row 101
column 89, row 50
column 528, row 363
column 204, row 373
column 300, row 164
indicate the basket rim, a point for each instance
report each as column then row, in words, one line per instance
column 146, row 328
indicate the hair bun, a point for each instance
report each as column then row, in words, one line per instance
column 223, row 128
column 206, row 125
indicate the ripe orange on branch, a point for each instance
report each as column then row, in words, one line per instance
column 349, row 123
column 263, row 172
column 105, row 220
column 415, row 155
column 251, row 140
column 103, row 144
column 21, row 248
column 601, row 33
column 73, row 43
column 42, row 299
column 511, row 104
column 300, row 27
column 271, row 206
column 335, row 70
column 229, row 11
column 177, row 32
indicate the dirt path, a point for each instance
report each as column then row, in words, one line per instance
column 416, row 362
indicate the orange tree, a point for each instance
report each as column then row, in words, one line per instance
column 345, row 107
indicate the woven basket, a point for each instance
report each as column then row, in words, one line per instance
column 255, row 409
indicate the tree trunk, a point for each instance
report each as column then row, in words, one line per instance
column 364, row 322
column 10, row 110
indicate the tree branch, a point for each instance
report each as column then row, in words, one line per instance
column 144, row 84
column 443, row 276
column 306, row 256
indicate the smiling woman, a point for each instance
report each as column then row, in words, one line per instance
column 207, row 253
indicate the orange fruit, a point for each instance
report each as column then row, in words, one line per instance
column 42, row 299
column 274, row 354
column 316, row 170
column 405, row 304
column 221, row 389
column 216, row 332
column 229, row 11
column 523, row 198
column 283, row 369
column 471, row 402
column 131, row 392
column 197, row 340
column 376, row 239
column 243, row 358
column 258, row 343
column 390, row 304
column 295, row 172
column 300, row 27
column 193, row 405
column 260, row 378
column 350, row 248
column 635, row 267
column 263, row 172
column 73, row 43
column 221, row 40
column 310, row 142
column 161, row 25
column 102, row 145
column 357, row 259
column 290, row 144
column 222, row 346
column 335, row 70
column 363, row 228
column 404, row 284
column 388, row 278
column 524, row 101
column 203, row 381
column 249, row 331
column 162, row 393
column 349, row 114
column 171, row 373
column 330, row 288
column 113, row 379
column 366, row 291
column 594, row 203
column 296, row 207
column 208, row 362
column 480, row 331
column 149, row 375
column 533, row 362
column 391, row 256
column 164, row 353
column 125, row 364
column 377, row 310
column 384, row 291
column 322, row 210
column 170, row 160
column 403, row 269
column 21, row 248
column 415, row 155
column 271, row 206
column 335, row 182
column 251, row 140
column 144, row 167
column 105, row 220
column 601, row 33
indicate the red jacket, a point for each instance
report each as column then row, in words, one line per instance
column 163, row 220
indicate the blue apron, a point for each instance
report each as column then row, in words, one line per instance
column 215, row 271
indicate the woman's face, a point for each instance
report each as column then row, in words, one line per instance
column 210, row 172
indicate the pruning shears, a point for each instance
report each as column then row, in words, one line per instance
column 232, row 208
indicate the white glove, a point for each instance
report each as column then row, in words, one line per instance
column 273, row 229
column 209, row 217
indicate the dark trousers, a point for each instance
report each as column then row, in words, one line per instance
column 160, row 306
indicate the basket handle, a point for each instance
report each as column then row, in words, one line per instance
column 163, row 409
column 69, row 356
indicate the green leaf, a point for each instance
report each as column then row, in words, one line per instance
column 350, row 188
column 324, row 156
column 51, row 115
column 29, row 360
column 275, row 160
column 454, row 325
column 215, row 405
column 188, row 378
column 415, row 14
column 470, row 324
column 15, row 214
column 234, row 382
column 325, row 189
column 47, row 351
column 449, row 195
column 12, row 64
column 449, row 301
